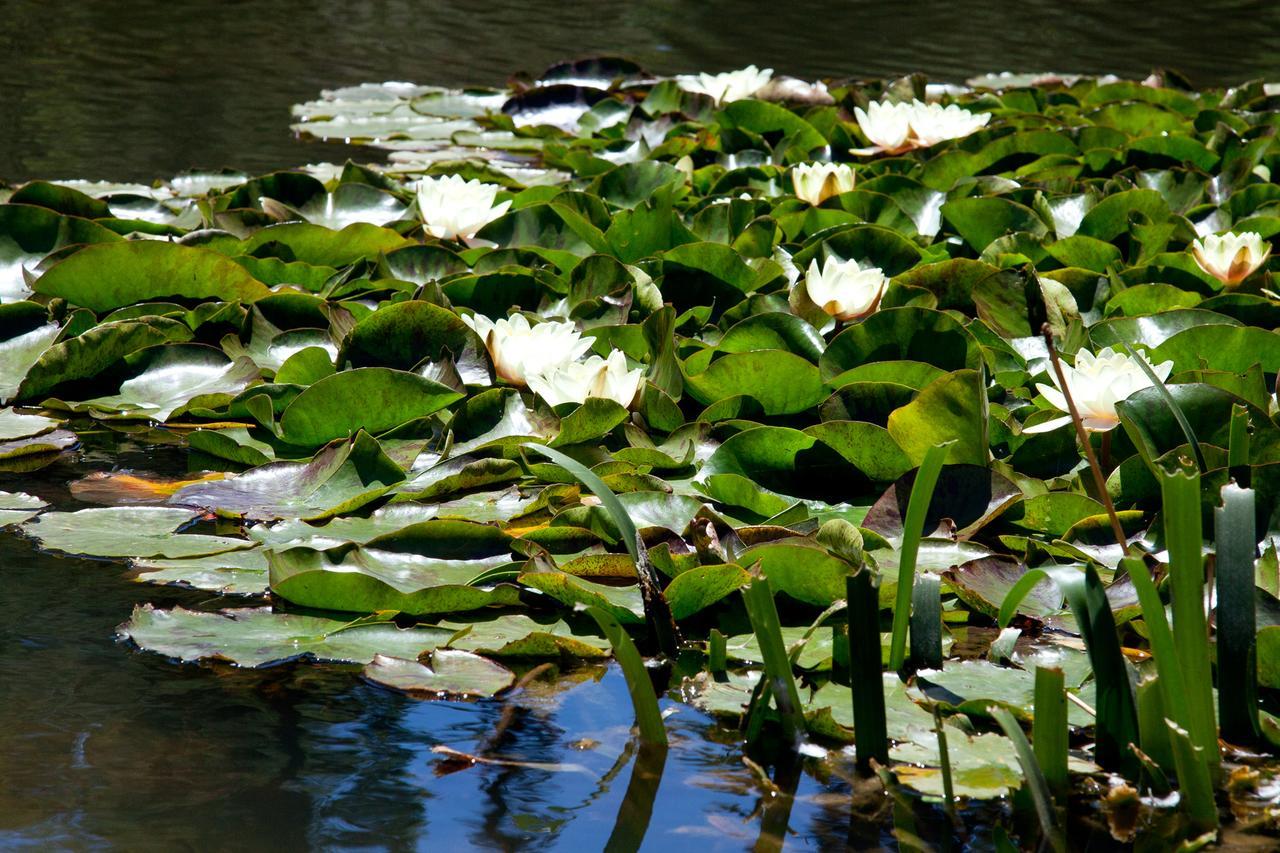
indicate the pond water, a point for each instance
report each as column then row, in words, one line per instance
column 102, row 746
column 145, row 90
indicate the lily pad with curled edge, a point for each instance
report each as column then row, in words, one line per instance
column 18, row 507
column 169, row 378
column 519, row 636
column 107, row 276
column 14, row 425
column 241, row 572
column 360, row 580
column 338, row 531
column 127, row 531
column 259, row 636
column 48, row 444
column 452, row 673
column 983, row 584
column 623, row 602
column 341, row 478
column 968, row 496
column 19, row 353
column 702, row 587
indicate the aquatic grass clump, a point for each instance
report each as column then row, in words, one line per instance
column 796, row 386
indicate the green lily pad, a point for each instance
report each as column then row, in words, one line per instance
column 623, row 602
column 107, row 276
column 19, row 508
column 242, row 572
column 14, row 425
column 169, row 378
column 259, row 637
column 374, row 399
column 127, row 531
column 364, row 580
column 342, row 477
column 453, row 673
column 518, row 636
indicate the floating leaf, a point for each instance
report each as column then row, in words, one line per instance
column 258, row 636
column 452, row 673
column 138, row 531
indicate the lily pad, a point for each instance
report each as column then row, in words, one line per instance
column 343, row 477
column 127, row 531
column 452, row 673
column 259, row 637
column 19, row 508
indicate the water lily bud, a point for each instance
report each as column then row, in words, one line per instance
column 1097, row 383
column 518, row 349
column 685, row 164
column 729, row 86
column 1231, row 257
column 844, row 289
column 817, row 182
column 596, row 377
column 453, row 208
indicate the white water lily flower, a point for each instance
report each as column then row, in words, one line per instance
column 1231, row 257
column 1097, row 383
column 895, row 128
column 886, row 125
column 453, row 208
column 729, row 86
column 596, row 377
column 817, row 182
column 519, row 350
column 933, row 123
column 844, row 289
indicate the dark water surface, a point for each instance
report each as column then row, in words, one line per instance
column 104, row 747
column 140, row 90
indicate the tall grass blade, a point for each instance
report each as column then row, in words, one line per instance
column 1181, row 493
column 1195, row 783
column 643, row 697
column 1193, row 765
column 1036, row 783
column 1235, row 535
column 1175, row 698
column 1238, row 444
column 912, row 530
column 656, row 609
column 1155, row 734
column 763, row 612
column 1163, row 389
column 1049, row 732
column 1117, row 721
column 870, row 730
column 717, row 651
column 926, row 622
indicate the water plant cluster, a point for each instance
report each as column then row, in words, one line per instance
column 925, row 420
